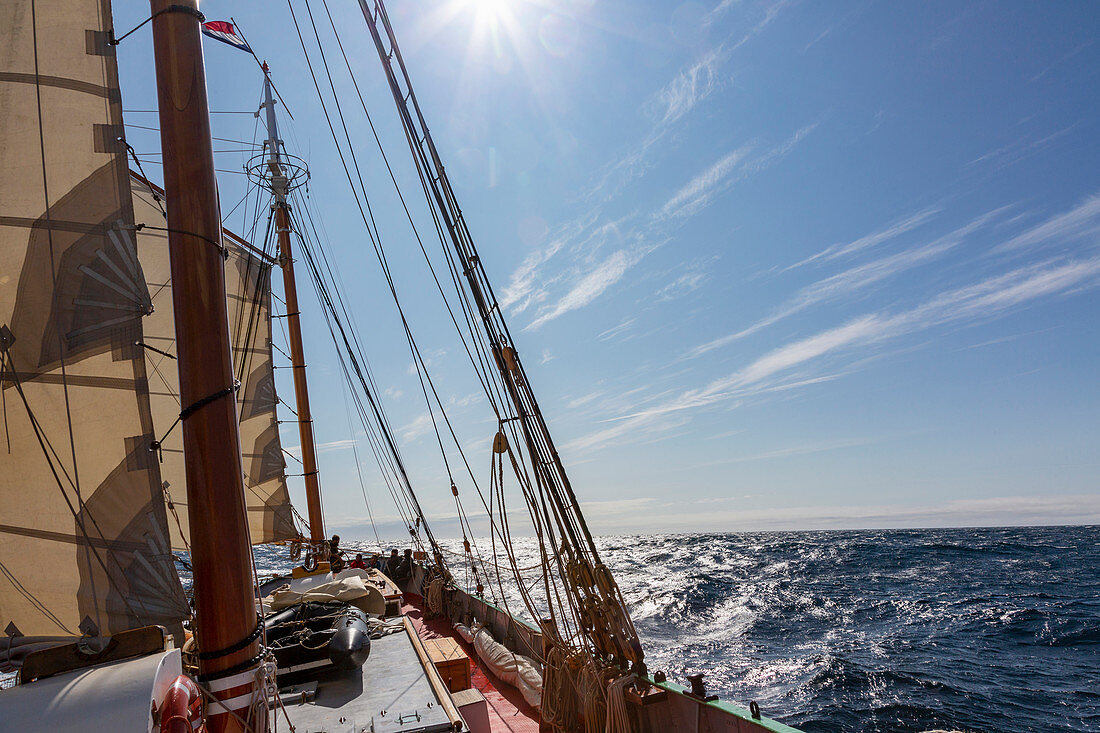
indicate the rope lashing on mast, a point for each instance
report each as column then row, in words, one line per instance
column 264, row 687
column 236, row 647
column 218, row 245
column 155, row 446
column 186, row 9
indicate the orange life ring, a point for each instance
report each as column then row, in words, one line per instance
column 181, row 711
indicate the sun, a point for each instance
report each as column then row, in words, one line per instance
column 490, row 14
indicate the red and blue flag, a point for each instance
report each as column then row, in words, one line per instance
column 225, row 32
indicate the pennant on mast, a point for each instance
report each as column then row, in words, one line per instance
column 223, row 30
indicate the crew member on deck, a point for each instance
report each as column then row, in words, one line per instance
column 404, row 566
column 336, row 563
column 358, row 563
column 391, row 564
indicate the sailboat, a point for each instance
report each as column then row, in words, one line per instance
column 139, row 416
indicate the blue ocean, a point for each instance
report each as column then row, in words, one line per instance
column 978, row 630
column 991, row 630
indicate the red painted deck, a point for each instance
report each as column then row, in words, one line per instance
column 508, row 711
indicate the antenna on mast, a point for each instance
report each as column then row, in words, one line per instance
column 262, row 65
column 275, row 169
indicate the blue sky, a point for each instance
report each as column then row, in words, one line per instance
column 770, row 265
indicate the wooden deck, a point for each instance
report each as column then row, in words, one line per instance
column 508, row 711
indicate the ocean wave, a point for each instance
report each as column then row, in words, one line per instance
column 906, row 631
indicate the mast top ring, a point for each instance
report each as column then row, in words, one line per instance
column 292, row 172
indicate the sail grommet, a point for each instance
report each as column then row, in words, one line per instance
column 7, row 338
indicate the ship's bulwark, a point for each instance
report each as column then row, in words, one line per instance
column 84, row 542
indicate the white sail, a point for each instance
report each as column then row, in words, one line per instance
column 84, row 544
column 248, row 290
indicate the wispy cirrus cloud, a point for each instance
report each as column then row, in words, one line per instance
column 729, row 169
column 1061, row 60
column 639, row 236
column 698, row 192
column 420, row 425
column 782, row 368
column 686, row 283
column 522, row 289
column 986, row 299
column 689, row 87
column 634, row 237
column 1080, row 221
column 332, row 445
column 592, row 285
column 671, row 103
column 843, row 249
column 680, row 96
column 848, row 282
column 771, row 12
column 1018, row 150
column 616, row 331
column 583, row 400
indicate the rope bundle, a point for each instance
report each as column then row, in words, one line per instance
column 618, row 719
column 560, row 700
column 594, row 688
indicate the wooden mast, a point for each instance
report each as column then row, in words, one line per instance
column 225, row 610
column 280, row 187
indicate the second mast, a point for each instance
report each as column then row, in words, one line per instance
column 279, row 182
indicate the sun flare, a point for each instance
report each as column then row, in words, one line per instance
column 489, row 14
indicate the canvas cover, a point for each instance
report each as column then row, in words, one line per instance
column 84, row 543
column 248, row 291
column 517, row 670
column 345, row 588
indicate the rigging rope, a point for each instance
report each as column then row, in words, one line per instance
column 591, row 629
column 592, row 592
